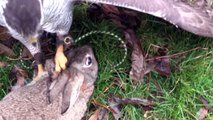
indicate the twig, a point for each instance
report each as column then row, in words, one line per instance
column 174, row 55
column 104, row 106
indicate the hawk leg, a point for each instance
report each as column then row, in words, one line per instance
column 39, row 61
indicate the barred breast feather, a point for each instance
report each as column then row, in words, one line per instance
column 57, row 16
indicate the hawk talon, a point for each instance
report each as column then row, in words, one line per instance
column 41, row 72
column 60, row 61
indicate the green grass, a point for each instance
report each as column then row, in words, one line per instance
column 190, row 79
column 5, row 72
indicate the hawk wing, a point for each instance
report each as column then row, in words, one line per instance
column 177, row 12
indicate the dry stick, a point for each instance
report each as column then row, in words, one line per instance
column 104, row 106
column 174, row 55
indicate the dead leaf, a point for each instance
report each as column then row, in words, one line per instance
column 18, row 77
column 139, row 67
column 4, row 34
column 99, row 114
column 95, row 115
column 123, row 18
column 2, row 64
column 7, row 51
column 115, row 104
column 205, row 103
column 204, row 110
column 5, row 37
column 109, row 9
column 26, row 54
column 162, row 66
column 202, row 113
column 145, row 103
column 103, row 114
column 138, row 101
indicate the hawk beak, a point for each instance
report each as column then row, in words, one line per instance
column 33, row 39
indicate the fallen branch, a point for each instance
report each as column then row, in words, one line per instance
column 173, row 55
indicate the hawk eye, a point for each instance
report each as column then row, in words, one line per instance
column 68, row 40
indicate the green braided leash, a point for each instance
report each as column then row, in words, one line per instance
column 110, row 34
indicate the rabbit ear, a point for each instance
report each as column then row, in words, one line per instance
column 57, row 86
column 66, row 97
column 72, row 90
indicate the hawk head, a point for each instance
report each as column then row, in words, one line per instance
column 23, row 17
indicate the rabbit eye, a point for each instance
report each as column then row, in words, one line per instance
column 88, row 61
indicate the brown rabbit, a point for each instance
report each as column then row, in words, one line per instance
column 62, row 99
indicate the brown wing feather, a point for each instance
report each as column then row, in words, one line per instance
column 179, row 13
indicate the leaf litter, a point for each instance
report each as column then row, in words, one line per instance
column 115, row 105
column 18, row 77
column 6, row 50
column 203, row 112
column 141, row 64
